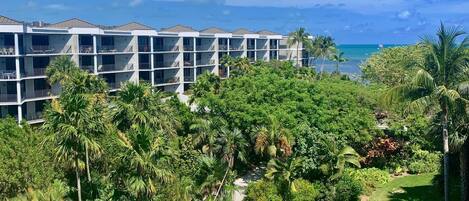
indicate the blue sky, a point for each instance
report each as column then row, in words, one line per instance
column 348, row 21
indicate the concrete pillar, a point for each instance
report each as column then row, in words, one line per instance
column 255, row 49
column 195, row 61
column 95, row 55
column 18, row 74
column 152, row 63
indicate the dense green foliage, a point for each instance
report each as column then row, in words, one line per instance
column 263, row 190
column 370, row 178
column 25, row 161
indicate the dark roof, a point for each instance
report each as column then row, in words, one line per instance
column 213, row 30
column 133, row 26
column 267, row 32
column 178, row 28
column 75, row 22
column 8, row 21
column 242, row 31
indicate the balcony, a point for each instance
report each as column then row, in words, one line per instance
column 114, row 67
column 46, row 49
column 188, row 78
column 8, row 97
column 89, row 68
column 7, row 74
column 114, row 85
column 273, row 46
column 144, row 65
column 113, row 49
column 42, row 93
column 88, row 49
column 144, row 48
column 205, row 63
column 282, row 57
column 189, row 63
column 34, row 116
column 241, row 47
column 167, row 48
column 170, row 80
column 164, row 64
column 283, row 46
column 205, row 48
column 35, row 72
column 222, row 47
column 188, row 48
column 7, row 50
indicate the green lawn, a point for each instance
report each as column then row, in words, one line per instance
column 410, row 188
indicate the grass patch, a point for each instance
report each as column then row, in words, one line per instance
column 411, row 188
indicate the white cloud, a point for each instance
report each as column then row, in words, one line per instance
column 404, row 14
column 134, row 3
column 56, row 7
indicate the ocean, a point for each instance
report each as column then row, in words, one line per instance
column 356, row 54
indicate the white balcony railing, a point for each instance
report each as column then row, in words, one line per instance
column 164, row 64
column 46, row 49
column 35, row 72
column 167, row 80
column 114, row 67
column 167, row 48
column 8, row 74
column 86, row 49
column 8, row 97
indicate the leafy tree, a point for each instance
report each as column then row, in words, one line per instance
column 396, row 65
column 234, row 146
column 25, row 163
column 300, row 36
column 439, row 82
column 207, row 135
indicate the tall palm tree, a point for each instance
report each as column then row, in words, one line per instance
column 338, row 58
column 75, row 120
column 234, row 146
column 142, row 159
column 322, row 47
column 441, row 83
column 300, row 36
column 272, row 138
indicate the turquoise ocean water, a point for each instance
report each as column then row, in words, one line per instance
column 356, row 54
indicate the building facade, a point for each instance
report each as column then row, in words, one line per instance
column 170, row 59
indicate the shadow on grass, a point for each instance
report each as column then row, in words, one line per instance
column 417, row 193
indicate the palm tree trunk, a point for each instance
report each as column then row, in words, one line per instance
column 221, row 185
column 337, row 67
column 77, row 174
column 446, row 153
column 298, row 54
column 87, row 163
column 463, row 165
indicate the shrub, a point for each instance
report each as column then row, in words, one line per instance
column 305, row 191
column 424, row 161
column 263, row 191
column 347, row 189
column 369, row 178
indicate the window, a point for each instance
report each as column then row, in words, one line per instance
column 86, row 60
column 187, row 41
column 40, row 62
column 40, row 40
column 144, row 58
column 107, row 41
column 158, row 43
column 187, row 72
column 39, row 106
column 108, row 59
column 159, row 74
column 9, row 40
column 187, row 56
column 11, row 87
column 86, row 40
column 10, row 63
column 40, row 84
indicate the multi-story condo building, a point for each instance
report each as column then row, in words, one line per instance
column 170, row 59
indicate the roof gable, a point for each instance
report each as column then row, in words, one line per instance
column 178, row 28
column 133, row 26
column 213, row 30
column 242, row 31
column 8, row 21
column 267, row 32
column 73, row 23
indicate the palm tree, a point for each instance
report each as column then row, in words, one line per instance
column 137, row 105
column 300, row 36
column 322, row 46
column 284, row 172
column 77, row 118
column 440, row 83
column 206, row 135
column 61, row 69
column 234, row 146
column 338, row 58
column 142, row 159
column 346, row 155
column 270, row 139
